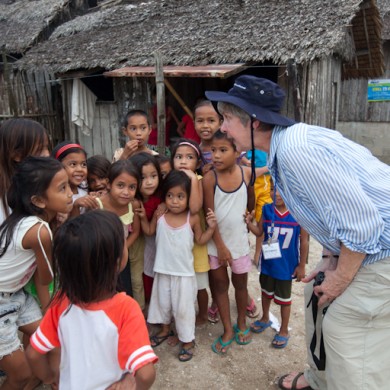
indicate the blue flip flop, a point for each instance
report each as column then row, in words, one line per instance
column 282, row 339
column 259, row 327
column 241, row 333
column 223, row 345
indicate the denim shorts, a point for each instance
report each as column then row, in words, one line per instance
column 16, row 310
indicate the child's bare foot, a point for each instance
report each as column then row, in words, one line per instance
column 294, row 380
column 201, row 320
column 173, row 340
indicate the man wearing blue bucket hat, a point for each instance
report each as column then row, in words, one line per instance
column 339, row 193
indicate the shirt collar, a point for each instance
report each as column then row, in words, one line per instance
column 277, row 133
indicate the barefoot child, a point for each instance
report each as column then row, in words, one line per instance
column 174, row 286
column 226, row 192
column 39, row 190
column 278, row 268
column 102, row 333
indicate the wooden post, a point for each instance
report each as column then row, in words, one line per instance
column 7, row 80
column 292, row 72
column 160, row 101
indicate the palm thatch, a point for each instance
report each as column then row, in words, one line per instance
column 23, row 22
column 201, row 32
column 384, row 9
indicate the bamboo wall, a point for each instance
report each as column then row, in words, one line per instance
column 34, row 95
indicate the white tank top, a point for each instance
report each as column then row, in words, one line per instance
column 17, row 265
column 174, row 249
column 229, row 209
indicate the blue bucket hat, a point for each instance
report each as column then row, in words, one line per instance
column 260, row 98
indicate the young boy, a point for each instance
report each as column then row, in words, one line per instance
column 136, row 128
column 283, row 258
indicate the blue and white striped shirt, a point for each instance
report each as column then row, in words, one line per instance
column 336, row 189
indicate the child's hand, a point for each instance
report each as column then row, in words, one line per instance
column 189, row 173
column 206, row 168
column 161, row 210
column 87, row 201
column 126, row 383
column 129, row 149
column 140, row 211
column 224, row 256
column 97, row 194
column 61, row 218
column 249, row 217
column 245, row 161
column 211, row 219
column 299, row 272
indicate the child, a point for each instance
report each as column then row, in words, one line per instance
column 39, row 190
column 174, row 286
column 186, row 156
column 102, row 333
column 186, row 128
column 278, row 268
column 19, row 138
column 207, row 122
column 144, row 251
column 137, row 129
column 226, row 192
column 165, row 165
column 123, row 182
column 97, row 176
column 74, row 159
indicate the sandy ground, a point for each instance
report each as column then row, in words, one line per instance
column 256, row 366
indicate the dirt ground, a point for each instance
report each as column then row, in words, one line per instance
column 256, row 366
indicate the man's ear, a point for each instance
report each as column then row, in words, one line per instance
column 256, row 124
column 38, row 201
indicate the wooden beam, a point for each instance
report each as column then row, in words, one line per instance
column 178, row 98
column 160, row 101
column 367, row 37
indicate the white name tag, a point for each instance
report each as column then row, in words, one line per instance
column 271, row 251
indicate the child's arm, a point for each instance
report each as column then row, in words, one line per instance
column 180, row 128
column 196, row 195
column 89, row 202
column 148, row 227
column 40, row 365
column 202, row 237
column 251, row 192
column 224, row 255
column 136, row 226
column 42, row 292
column 255, row 227
column 303, row 253
column 30, row 241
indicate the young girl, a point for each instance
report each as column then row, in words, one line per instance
column 226, row 192
column 174, row 286
column 97, row 176
column 39, row 190
column 74, row 159
column 187, row 157
column 143, row 253
column 102, row 333
column 122, row 186
column 19, row 138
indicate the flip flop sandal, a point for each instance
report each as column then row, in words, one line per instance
column 241, row 333
column 293, row 383
column 280, row 339
column 222, row 344
column 259, row 327
column 157, row 340
column 212, row 315
column 251, row 310
column 186, row 354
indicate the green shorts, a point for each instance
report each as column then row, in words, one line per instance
column 278, row 290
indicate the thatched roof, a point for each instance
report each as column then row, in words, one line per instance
column 384, row 9
column 22, row 22
column 200, row 32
